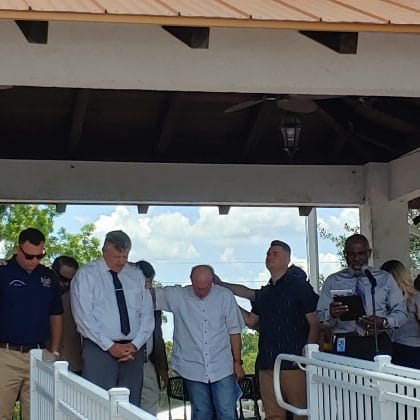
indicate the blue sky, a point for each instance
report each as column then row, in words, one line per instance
column 174, row 239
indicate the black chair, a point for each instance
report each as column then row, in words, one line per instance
column 177, row 389
column 249, row 392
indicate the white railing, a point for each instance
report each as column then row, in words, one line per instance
column 58, row 394
column 344, row 388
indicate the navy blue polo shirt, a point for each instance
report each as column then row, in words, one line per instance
column 281, row 308
column 26, row 302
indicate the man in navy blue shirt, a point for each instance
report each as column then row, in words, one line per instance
column 284, row 313
column 30, row 311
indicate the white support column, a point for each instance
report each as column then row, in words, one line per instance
column 382, row 221
column 312, row 248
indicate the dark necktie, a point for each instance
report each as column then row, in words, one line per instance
column 122, row 306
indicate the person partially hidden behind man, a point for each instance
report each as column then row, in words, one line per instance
column 207, row 343
column 284, row 313
column 30, row 310
column 71, row 346
column 113, row 312
column 156, row 367
column 355, row 338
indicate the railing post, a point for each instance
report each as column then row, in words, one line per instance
column 117, row 395
column 386, row 410
column 59, row 367
column 34, row 400
column 311, row 386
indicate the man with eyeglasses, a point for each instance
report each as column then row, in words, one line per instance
column 30, row 312
column 356, row 337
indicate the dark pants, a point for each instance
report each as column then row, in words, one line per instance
column 102, row 369
column 406, row 355
column 363, row 347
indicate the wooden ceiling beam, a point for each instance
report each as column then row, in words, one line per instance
column 35, row 32
column 254, row 129
column 379, row 117
column 341, row 42
column 78, row 119
column 165, row 123
column 194, row 36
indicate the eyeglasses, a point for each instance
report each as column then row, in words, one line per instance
column 31, row 257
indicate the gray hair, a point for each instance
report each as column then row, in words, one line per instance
column 119, row 239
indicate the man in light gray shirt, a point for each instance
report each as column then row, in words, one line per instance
column 114, row 314
column 207, row 343
column 355, row 338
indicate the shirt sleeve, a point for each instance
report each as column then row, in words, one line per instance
column 323, row 307
column 147, row 320
column 165, row 296
column 82, row 307
column 234, row 320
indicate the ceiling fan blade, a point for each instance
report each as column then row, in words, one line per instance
column 244, row 105
column 297, row 104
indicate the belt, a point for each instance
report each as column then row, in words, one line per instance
column 122, row 342
column 22, row 349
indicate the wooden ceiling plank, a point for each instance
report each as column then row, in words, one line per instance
column 166, row 124
column 379, row 117
column 78, row 118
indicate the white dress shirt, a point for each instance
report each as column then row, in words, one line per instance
column 202, row 328
column 95, row 308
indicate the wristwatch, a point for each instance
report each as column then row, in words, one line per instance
column 385, row 323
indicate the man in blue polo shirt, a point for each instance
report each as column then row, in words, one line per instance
column 30, row 310
column 284, row 313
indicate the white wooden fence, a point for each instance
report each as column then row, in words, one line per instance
column 58, row 394
column 344, row 388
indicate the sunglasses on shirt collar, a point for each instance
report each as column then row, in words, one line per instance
column 31, row 257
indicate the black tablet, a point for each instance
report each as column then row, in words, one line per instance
column 355, row 305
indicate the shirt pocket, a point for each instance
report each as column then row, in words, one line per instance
column 134, row 299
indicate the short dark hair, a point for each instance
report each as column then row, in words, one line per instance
column 32, row 235
column 356, row 237
column 282, row 244
column 119, row 239
column 147, row 268
column 64, row 260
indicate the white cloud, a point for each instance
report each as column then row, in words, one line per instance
column 334, row 223
column 228, row 255
column 328, row 263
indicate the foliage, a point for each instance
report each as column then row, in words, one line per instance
column 414, row 242
column 249, row 350
column 83, row 246
column 339, row 240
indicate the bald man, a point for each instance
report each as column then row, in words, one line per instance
column 207, row 342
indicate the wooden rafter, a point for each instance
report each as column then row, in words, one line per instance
column 341, row 42
column 166, row 124
column 35, row 32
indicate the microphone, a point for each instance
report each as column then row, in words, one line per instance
column 369, row 275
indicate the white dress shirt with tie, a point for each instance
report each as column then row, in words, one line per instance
column 95, row 308
column 202, row 329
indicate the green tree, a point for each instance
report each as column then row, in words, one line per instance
column 83, row 246
column 338, row 240
column 249, row 350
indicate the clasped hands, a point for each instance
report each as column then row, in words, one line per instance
column 123, row 352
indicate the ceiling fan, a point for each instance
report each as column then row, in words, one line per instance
column 300, row 104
